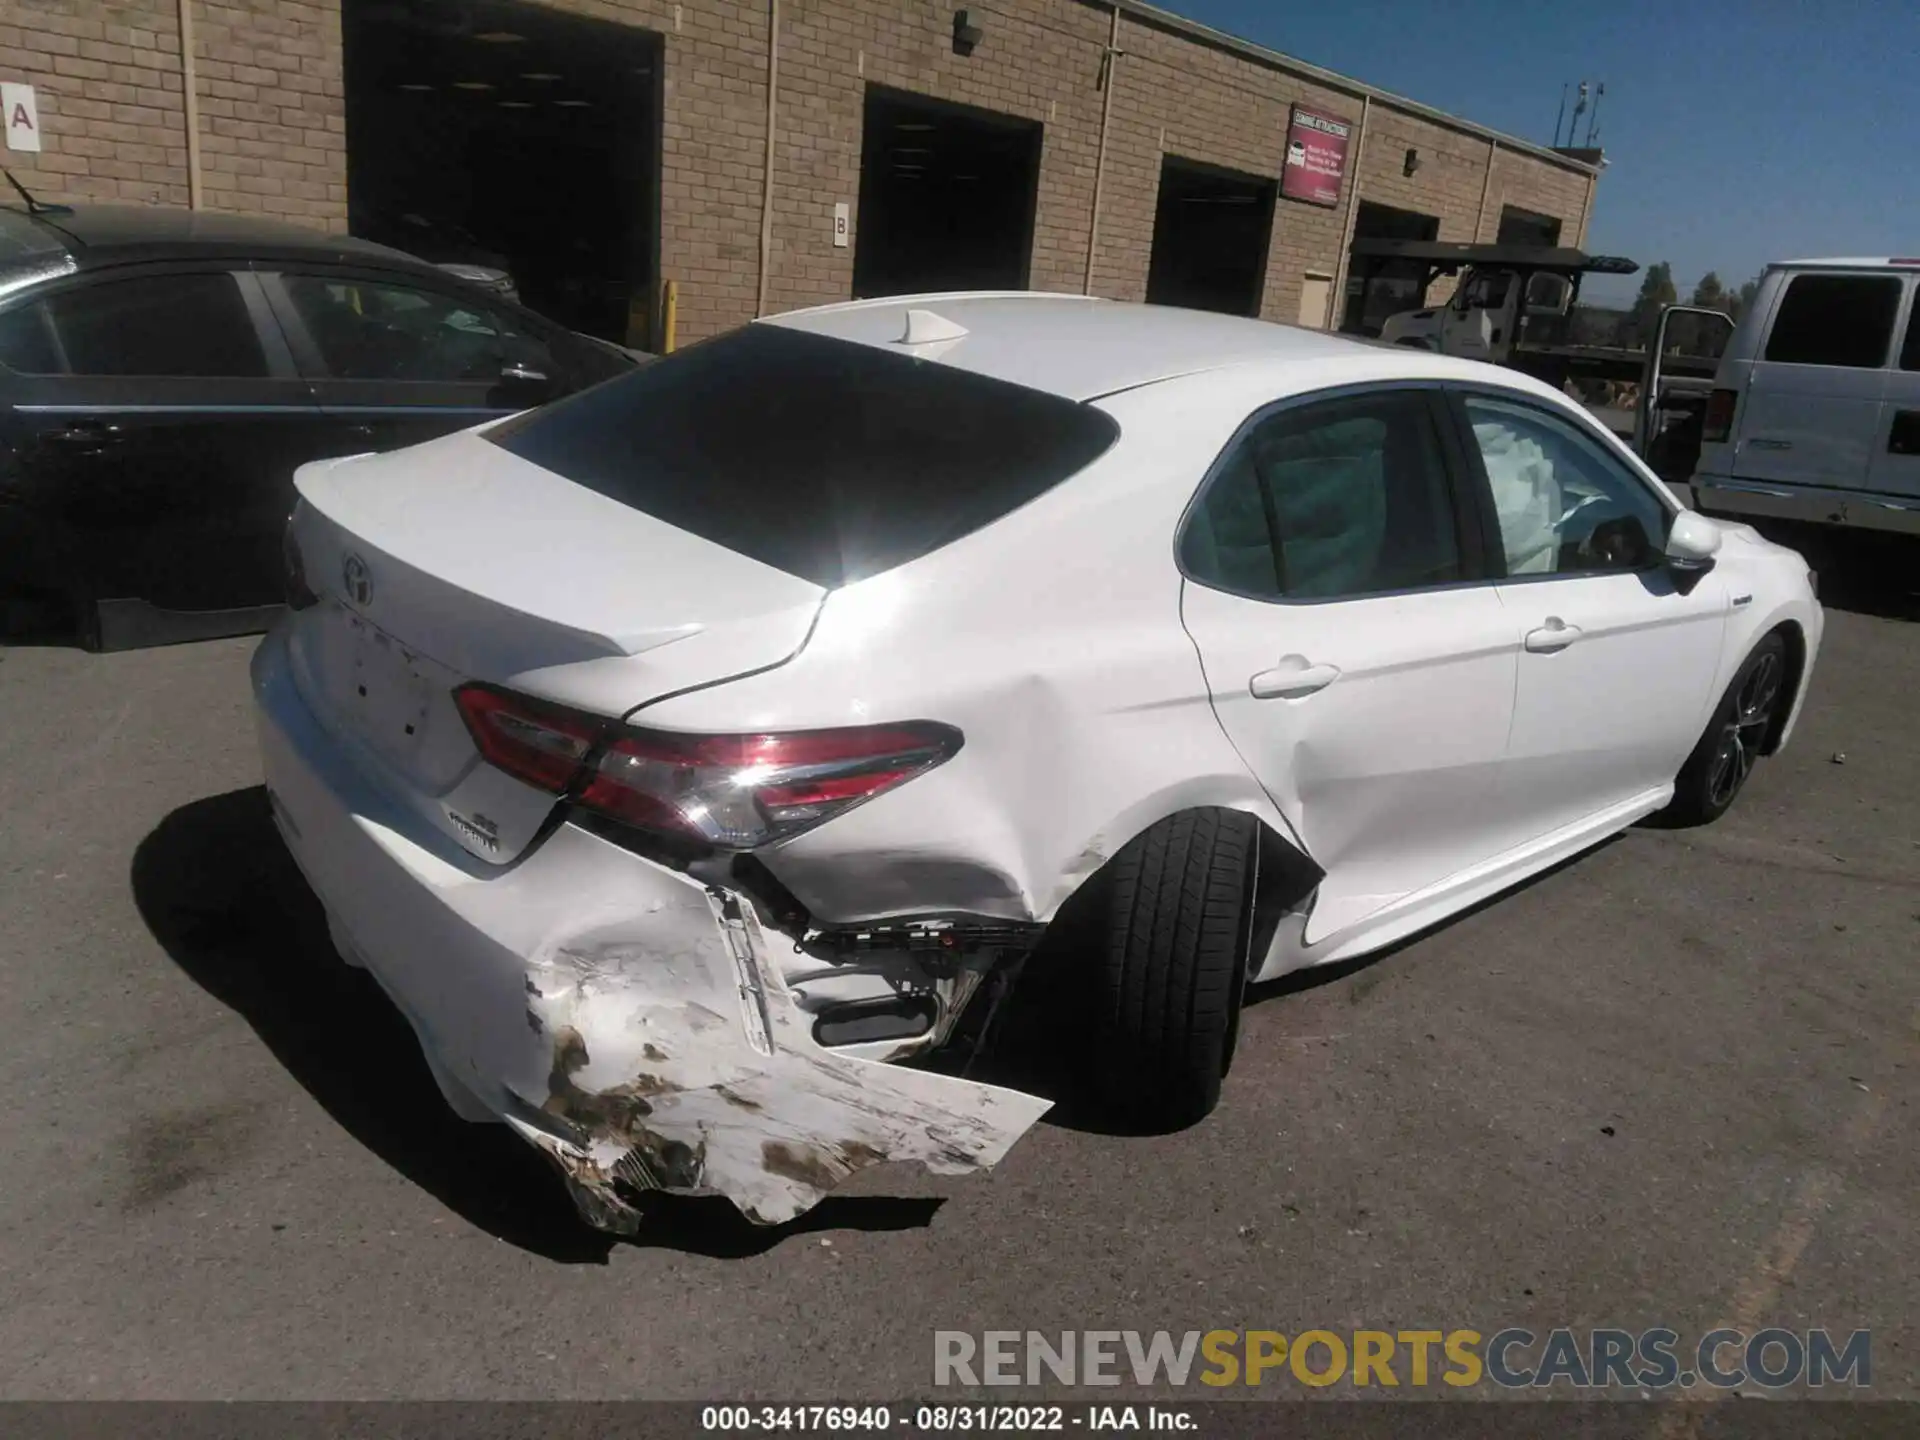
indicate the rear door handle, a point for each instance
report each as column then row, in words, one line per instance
column 1556, row 634
column 1292, row 679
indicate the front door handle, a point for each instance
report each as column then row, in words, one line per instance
column 1292, row 679
column 1556, row 634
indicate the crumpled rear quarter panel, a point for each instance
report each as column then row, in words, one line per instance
column 623, row 1017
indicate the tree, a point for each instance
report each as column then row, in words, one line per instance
column 1656, row 293
column 1743, row 298
column 1711, row 294
column 1698, row 337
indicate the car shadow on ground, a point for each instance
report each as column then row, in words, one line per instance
column 218, row 890
column 1861, row 571
column 1042, row 1049
column 33, row 625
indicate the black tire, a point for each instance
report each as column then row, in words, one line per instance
column 1717, row 770
column 1174, row 928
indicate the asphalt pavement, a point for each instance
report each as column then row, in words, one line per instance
column 1670, row 1083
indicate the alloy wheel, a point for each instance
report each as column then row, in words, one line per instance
column 1744, row 730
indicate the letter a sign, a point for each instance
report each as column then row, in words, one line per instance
column 22, row 117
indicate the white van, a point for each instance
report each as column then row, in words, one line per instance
column 1815, row 410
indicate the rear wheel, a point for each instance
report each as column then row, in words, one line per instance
column 1175, row 929
column 1717, row 770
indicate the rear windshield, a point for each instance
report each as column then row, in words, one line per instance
column 827, row 459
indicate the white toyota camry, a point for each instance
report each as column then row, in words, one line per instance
column 685, row 755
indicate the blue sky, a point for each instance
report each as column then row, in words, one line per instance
column 1735, row 133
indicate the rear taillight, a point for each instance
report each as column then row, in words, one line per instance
column 734, row 792
column 1718, row 424
column 294, row 572
column 540, row 744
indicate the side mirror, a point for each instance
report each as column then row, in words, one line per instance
column 1692, row 545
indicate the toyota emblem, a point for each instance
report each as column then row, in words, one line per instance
column 357, row 579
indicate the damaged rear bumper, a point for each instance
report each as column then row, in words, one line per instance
column 623, row 1017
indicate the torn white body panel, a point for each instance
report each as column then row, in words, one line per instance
column 624, row 1017
column 685, row 1066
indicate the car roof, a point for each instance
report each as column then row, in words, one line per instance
column 1850, row 262
column 94, row 235
column 1083, row 348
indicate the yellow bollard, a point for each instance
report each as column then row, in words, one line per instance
column 670, row 314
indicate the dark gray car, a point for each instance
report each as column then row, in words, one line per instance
column 163, row 372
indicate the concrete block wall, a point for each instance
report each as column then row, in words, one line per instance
column 272, row 130
column 112, row 107
column 1039, row 61
column 1198, row 103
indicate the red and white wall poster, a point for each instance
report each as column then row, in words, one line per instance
column 1316, row 157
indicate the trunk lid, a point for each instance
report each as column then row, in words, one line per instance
column 456, row 561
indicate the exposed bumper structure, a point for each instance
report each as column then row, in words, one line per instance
column 621, row 1016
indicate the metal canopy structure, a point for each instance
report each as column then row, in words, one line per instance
column 1448, row 257
column 1444, row 257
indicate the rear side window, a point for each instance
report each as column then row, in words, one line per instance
column 160, row 325
column 26, row 341
column 828, row 459
column 1346, row 498
column 1843, row 320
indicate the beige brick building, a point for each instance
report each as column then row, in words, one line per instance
column 277, row 108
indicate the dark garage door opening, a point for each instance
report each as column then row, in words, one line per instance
column 946, row 197
column 1377, row 289
column 512, row 136
column 1526, row 227
column 1210, row 230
